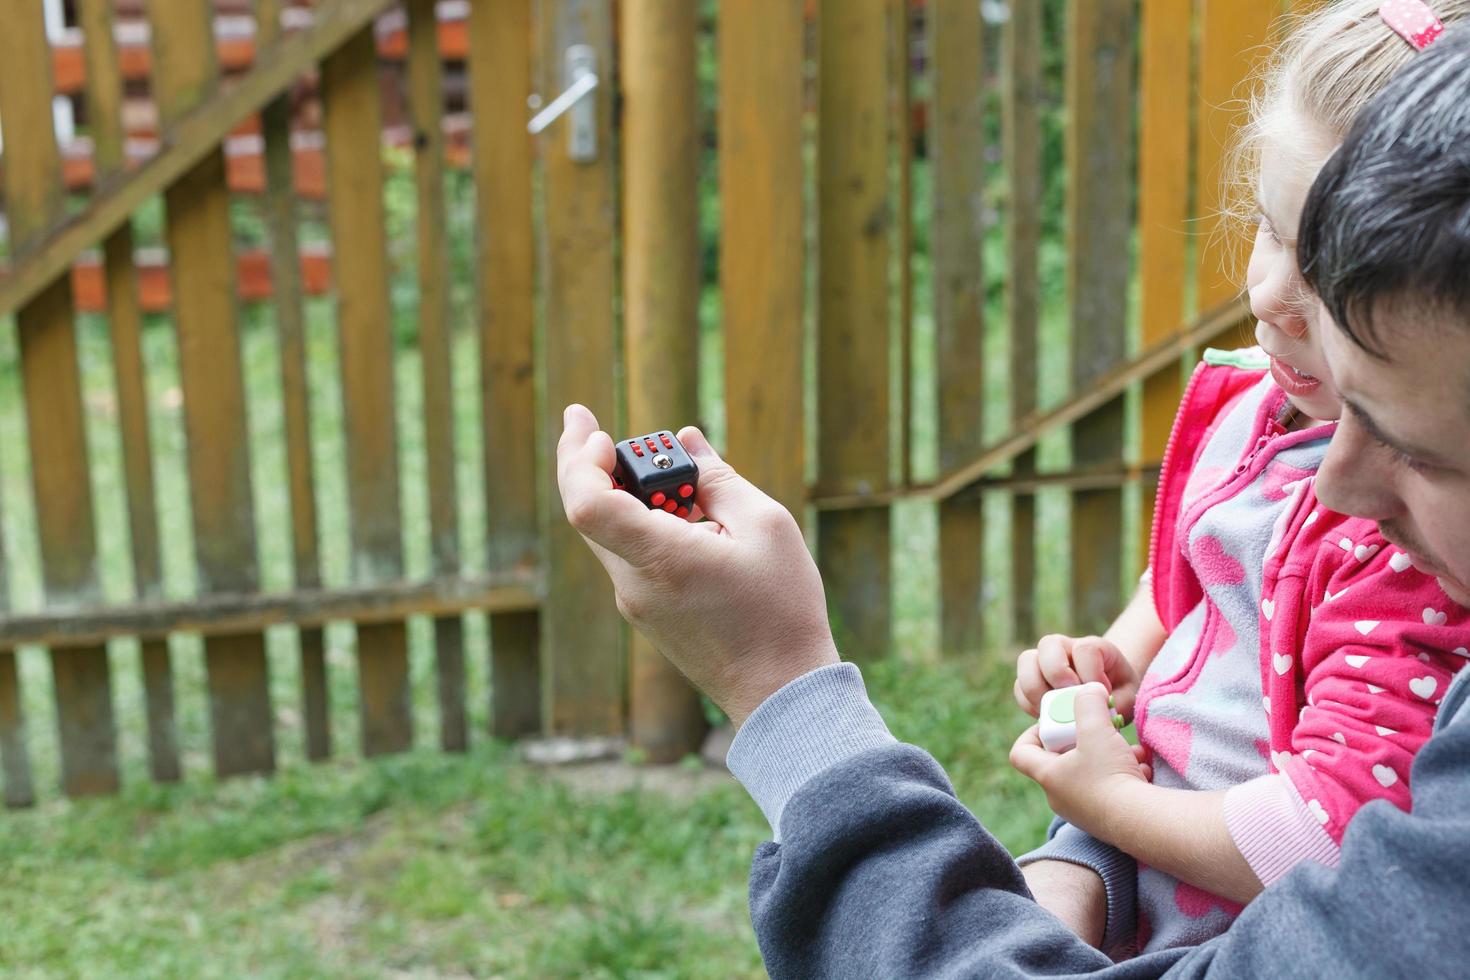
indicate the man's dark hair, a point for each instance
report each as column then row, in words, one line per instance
column 1388, row 218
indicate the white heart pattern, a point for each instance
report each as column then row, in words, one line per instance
column 1356, row 659
column 1384, row 731
column 1399, row 562
column 1346, row 544
column 1374, row 689
column 1317, row 811
column 1311, row 519
column 1281, row 661
column 1308, row 753
column 1266, row 703
column 1386, row 777
column 1278, row 759
column 1424, row 686
column 1365, row 551
column 1461, row 652
column 1337, row 737
column 1366, row 626
column 1269, row 608
column 1434, row 617
column 1330, row 596
column 1423, row 656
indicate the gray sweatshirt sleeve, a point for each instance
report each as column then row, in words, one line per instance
column 1118, row 871
column 882, row 872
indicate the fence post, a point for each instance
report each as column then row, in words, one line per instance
column 660, row 301
column 762, row 278
column 286, row 286
column 353, row 126
column 500, row 80
column 854, row 217
column 436, row 346
column 1163, row 203
column 1021, row 136
column 957, row 130
column 582, row 650
column 1099, row 166
column 58, row 438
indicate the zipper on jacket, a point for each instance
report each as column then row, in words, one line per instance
column 1165, row 464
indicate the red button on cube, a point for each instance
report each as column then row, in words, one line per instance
column 671, row 505
column 657, row 500
column 668, row 444
column 682, row 512
column 687, row 490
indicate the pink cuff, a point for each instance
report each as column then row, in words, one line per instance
column 1274, row 829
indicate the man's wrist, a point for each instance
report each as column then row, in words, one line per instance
column 761, row 684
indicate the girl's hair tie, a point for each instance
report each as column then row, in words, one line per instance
column 1413, row 21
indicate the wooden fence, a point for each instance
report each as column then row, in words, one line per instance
column 586, row 276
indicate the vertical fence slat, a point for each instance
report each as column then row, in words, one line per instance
column 1163, row 211
column 1099, row 164
column 288, row 297
column 762, row 278
column 900, row 42
column 54, row 413
column 500, row 80
column 853, row 320
column 213, row 386
column 1231, row 35
column 353, row 126
column 1021, row 124
column 582, row 649
column 104, row 104
column 15, row 761
column 957, row 139
column 436, row 346
column 661, row 301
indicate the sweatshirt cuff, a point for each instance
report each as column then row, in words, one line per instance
column 814, row 722
column 1274, row 829
column 1118, row 871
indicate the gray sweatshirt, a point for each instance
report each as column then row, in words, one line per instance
column 877, row 870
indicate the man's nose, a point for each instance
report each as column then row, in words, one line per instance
column 1355, row 479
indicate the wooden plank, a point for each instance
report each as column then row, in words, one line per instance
column 199, row 239
column 104, row 116
column 436, row 341
column 762, row 261
column 54, row 413
column 1021, row 138
column 853, row 320
column 152, row 278
column 194, row 133
column 660, row 143
column 901, row 106
column 225, row 613
column 581, row 632
column 1163, row 215
column 1232, row 41
column 353, row 118
column 957, row 129
column 1027, row 432
column 281, row 221
column 500, row 80
column 14, row 760
column 1099, row 167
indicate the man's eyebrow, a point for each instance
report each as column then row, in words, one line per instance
column 1419, row 453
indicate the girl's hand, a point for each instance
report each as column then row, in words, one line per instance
column 1065, row 661
column 1080, row 784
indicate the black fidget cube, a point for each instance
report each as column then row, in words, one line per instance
column 658, row 471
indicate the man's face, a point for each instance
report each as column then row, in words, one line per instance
column 1401, row 454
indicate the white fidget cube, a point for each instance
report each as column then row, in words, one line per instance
column 1058, row 726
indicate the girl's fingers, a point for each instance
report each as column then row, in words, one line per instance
column 1055, row 662
column 1030, row 682
column 1022, row 699
column 1091, row 661
column 1028, row 757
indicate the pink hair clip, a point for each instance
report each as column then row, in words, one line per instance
column 1413, row 21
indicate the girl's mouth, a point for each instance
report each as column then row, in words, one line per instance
column 1292, row 381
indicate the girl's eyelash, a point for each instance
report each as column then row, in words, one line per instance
column 1270, row 230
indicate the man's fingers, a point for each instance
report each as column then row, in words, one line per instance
column 1028, row 757
column 584, row 462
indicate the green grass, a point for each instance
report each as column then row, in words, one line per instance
column 435, row 865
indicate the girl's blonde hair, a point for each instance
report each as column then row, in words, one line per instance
column 1328, row 66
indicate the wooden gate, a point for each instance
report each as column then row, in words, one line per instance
column 902, row 186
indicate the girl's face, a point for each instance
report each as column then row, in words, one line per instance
column 1283, row 306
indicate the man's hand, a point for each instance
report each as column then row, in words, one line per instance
column 1103, row 768
column 1065, row 661
column 1073, row 894
column 735, row 602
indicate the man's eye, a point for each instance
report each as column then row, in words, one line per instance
column 1416, row 465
